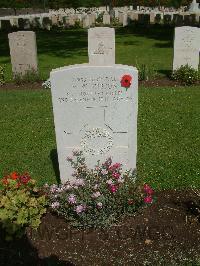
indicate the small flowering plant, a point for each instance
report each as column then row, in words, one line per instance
column 20, row 204
column 96, row 197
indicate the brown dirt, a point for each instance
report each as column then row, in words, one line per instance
column 161, row 82
column 23, row 86
column 166, row 233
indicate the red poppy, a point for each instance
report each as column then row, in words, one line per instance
column 126, row 81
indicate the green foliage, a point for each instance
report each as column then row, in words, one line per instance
column 30, row 76
column 97, row 197
column 99, row 19
column 2, row 75
column 20, row 205
column 146, row 72
column 186, row 74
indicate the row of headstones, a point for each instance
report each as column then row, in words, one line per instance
column 23, row 49
column 88, row 20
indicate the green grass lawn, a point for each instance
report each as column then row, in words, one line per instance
column 168, row 135
column 134, row 45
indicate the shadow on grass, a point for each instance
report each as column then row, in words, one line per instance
column 54, row 159
column 62, row 43
column 165, row 72
column 21, row 252
column 156, row 32
column 59, row 43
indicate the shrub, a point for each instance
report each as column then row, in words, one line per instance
column 97, row 197
column 20, row 204
column 30, row 76
column 2, row 75
column 186, row 74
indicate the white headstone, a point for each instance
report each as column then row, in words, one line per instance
column 194, row 7
column 125, row 19
column 86, row 21
column 23, row 51
column 106, row 19
column 95, row 110
column 94, row 113
column 186, row 47
column 101, row 46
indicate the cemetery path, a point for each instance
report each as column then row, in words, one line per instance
column 166, row 233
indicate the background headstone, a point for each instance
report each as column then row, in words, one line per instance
column 186, row 47
column 23, row 51
column 101, row 46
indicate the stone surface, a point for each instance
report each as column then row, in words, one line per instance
column 23, row 51
column 86, row 22
column 106, row 19
column 101, row 46
column 186, row 47
column 194, row 7
column 95, row 114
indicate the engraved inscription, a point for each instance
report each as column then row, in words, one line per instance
column 101, row 89
column 96, row 141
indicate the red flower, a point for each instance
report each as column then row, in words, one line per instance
column 24, row 179
column 148, row 199
column 148, row 189
column 126, row 81
column 113, row 188
column 116, row 175
column 14, row 176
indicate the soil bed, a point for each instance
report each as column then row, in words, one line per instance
column 166, row 233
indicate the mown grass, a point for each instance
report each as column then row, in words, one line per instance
column 168, row 135
column 152, row 46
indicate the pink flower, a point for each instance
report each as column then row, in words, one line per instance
column 109, row 182
column 55, row 205
column 72, row 199
column 148, row 199
column 99, row 205
column 104, row 172
column 120, row 180
column 80, row 208
column 117, row 165
column 116, row 175
column 113, row 188
column 79, row 182
column 148, row 189
column 96, row 186
column 96, row 194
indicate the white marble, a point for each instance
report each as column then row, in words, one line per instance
column 101, row 46
column 23, row 51
column 95, row 114
column 186, row 47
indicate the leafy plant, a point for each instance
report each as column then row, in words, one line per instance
column 2, row 75
column 30, row 76
column 186, row 74
column 97, row 197
column 20, row 204
column 145, row 72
